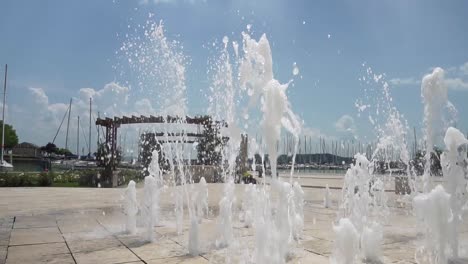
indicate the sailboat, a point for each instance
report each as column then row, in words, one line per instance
column 3, row 163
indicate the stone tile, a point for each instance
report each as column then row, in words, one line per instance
column 35, row 236
column 159, row 250
column 221, row 256
column 179, row 260
column 393, row 236
column 88, row 235
column 106, row 256
column 3, row 254
column 40, row 252
column 309, row 258
column 319, row 233
column 317, row 246
column 93, row 245
column 135, row 241
column 48, row 259
column 397, row 252
column 35, row 221
column 6, row 223
column 208, row 234
column 86, row 225
column 458, row 261
column 5, row 237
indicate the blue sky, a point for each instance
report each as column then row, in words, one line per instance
column 58, row 47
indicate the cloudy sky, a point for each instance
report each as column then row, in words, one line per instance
column 57, row 50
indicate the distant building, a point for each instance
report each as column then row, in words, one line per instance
column 27, row 149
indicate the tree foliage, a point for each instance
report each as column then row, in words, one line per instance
column 420, row 160
column 210, row 145
column 103, row 157
column 11, row 138
column 149, row 143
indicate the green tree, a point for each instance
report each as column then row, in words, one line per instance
column 210, row 145
column 103, row 157
column 420, row 160
column 148, row 144
column 11, row 139
column 63, row 151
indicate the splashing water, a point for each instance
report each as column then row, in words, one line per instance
column 150, row 206
column 131, row 208
column 225, row 216
column 201, row 199
column 256, row 76
column 156, row 67
column 346, row 242
column 255, row 86
column 326, row 197
column 248, row 207
column 434, row 94
column 454, row 166
column 434, row 210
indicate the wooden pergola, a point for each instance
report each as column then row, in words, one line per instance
column 112, row 124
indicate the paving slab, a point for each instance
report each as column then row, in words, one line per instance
column 93, row 245
column 73, row 226
column 39, row 252
column 179, row 260
column 112, row 255
column 308, row 257
column 5, row 237
column 35, row 236
column 398, row 252
column 94, row 228
column 151, row 251
column 317, row 246
column 35, row 221
column 88, row 235
column 46, row 259
column 3, row 254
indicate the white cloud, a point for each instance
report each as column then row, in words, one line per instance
column 456, row 84
column 404, row 81
column 345, row 124
column 464, row 68
column 456, row 78
column 36, row 119
column 314, row 134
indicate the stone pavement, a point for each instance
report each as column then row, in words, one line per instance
column 81, row 225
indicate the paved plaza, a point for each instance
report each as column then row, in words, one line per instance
column 84, row 225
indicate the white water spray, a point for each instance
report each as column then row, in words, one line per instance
column 150, row 206
column 434, row 95
column 346, row 242
column 454, row 167
column 326, row 197
column 131, row 208
column 434, row 210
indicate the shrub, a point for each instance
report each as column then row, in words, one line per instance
column 88, row 178
column 25, row 179
column 46, row 178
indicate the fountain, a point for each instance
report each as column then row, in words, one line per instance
column 274, row 209
column 131, row 208
column 200, row 202
column 454, row 167
column 150, row 206
column 434, row 94
column 346, row 242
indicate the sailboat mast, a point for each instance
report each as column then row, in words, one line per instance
column 68, row 124
column 3, row 114
column 89, row 146
column 78, row 139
